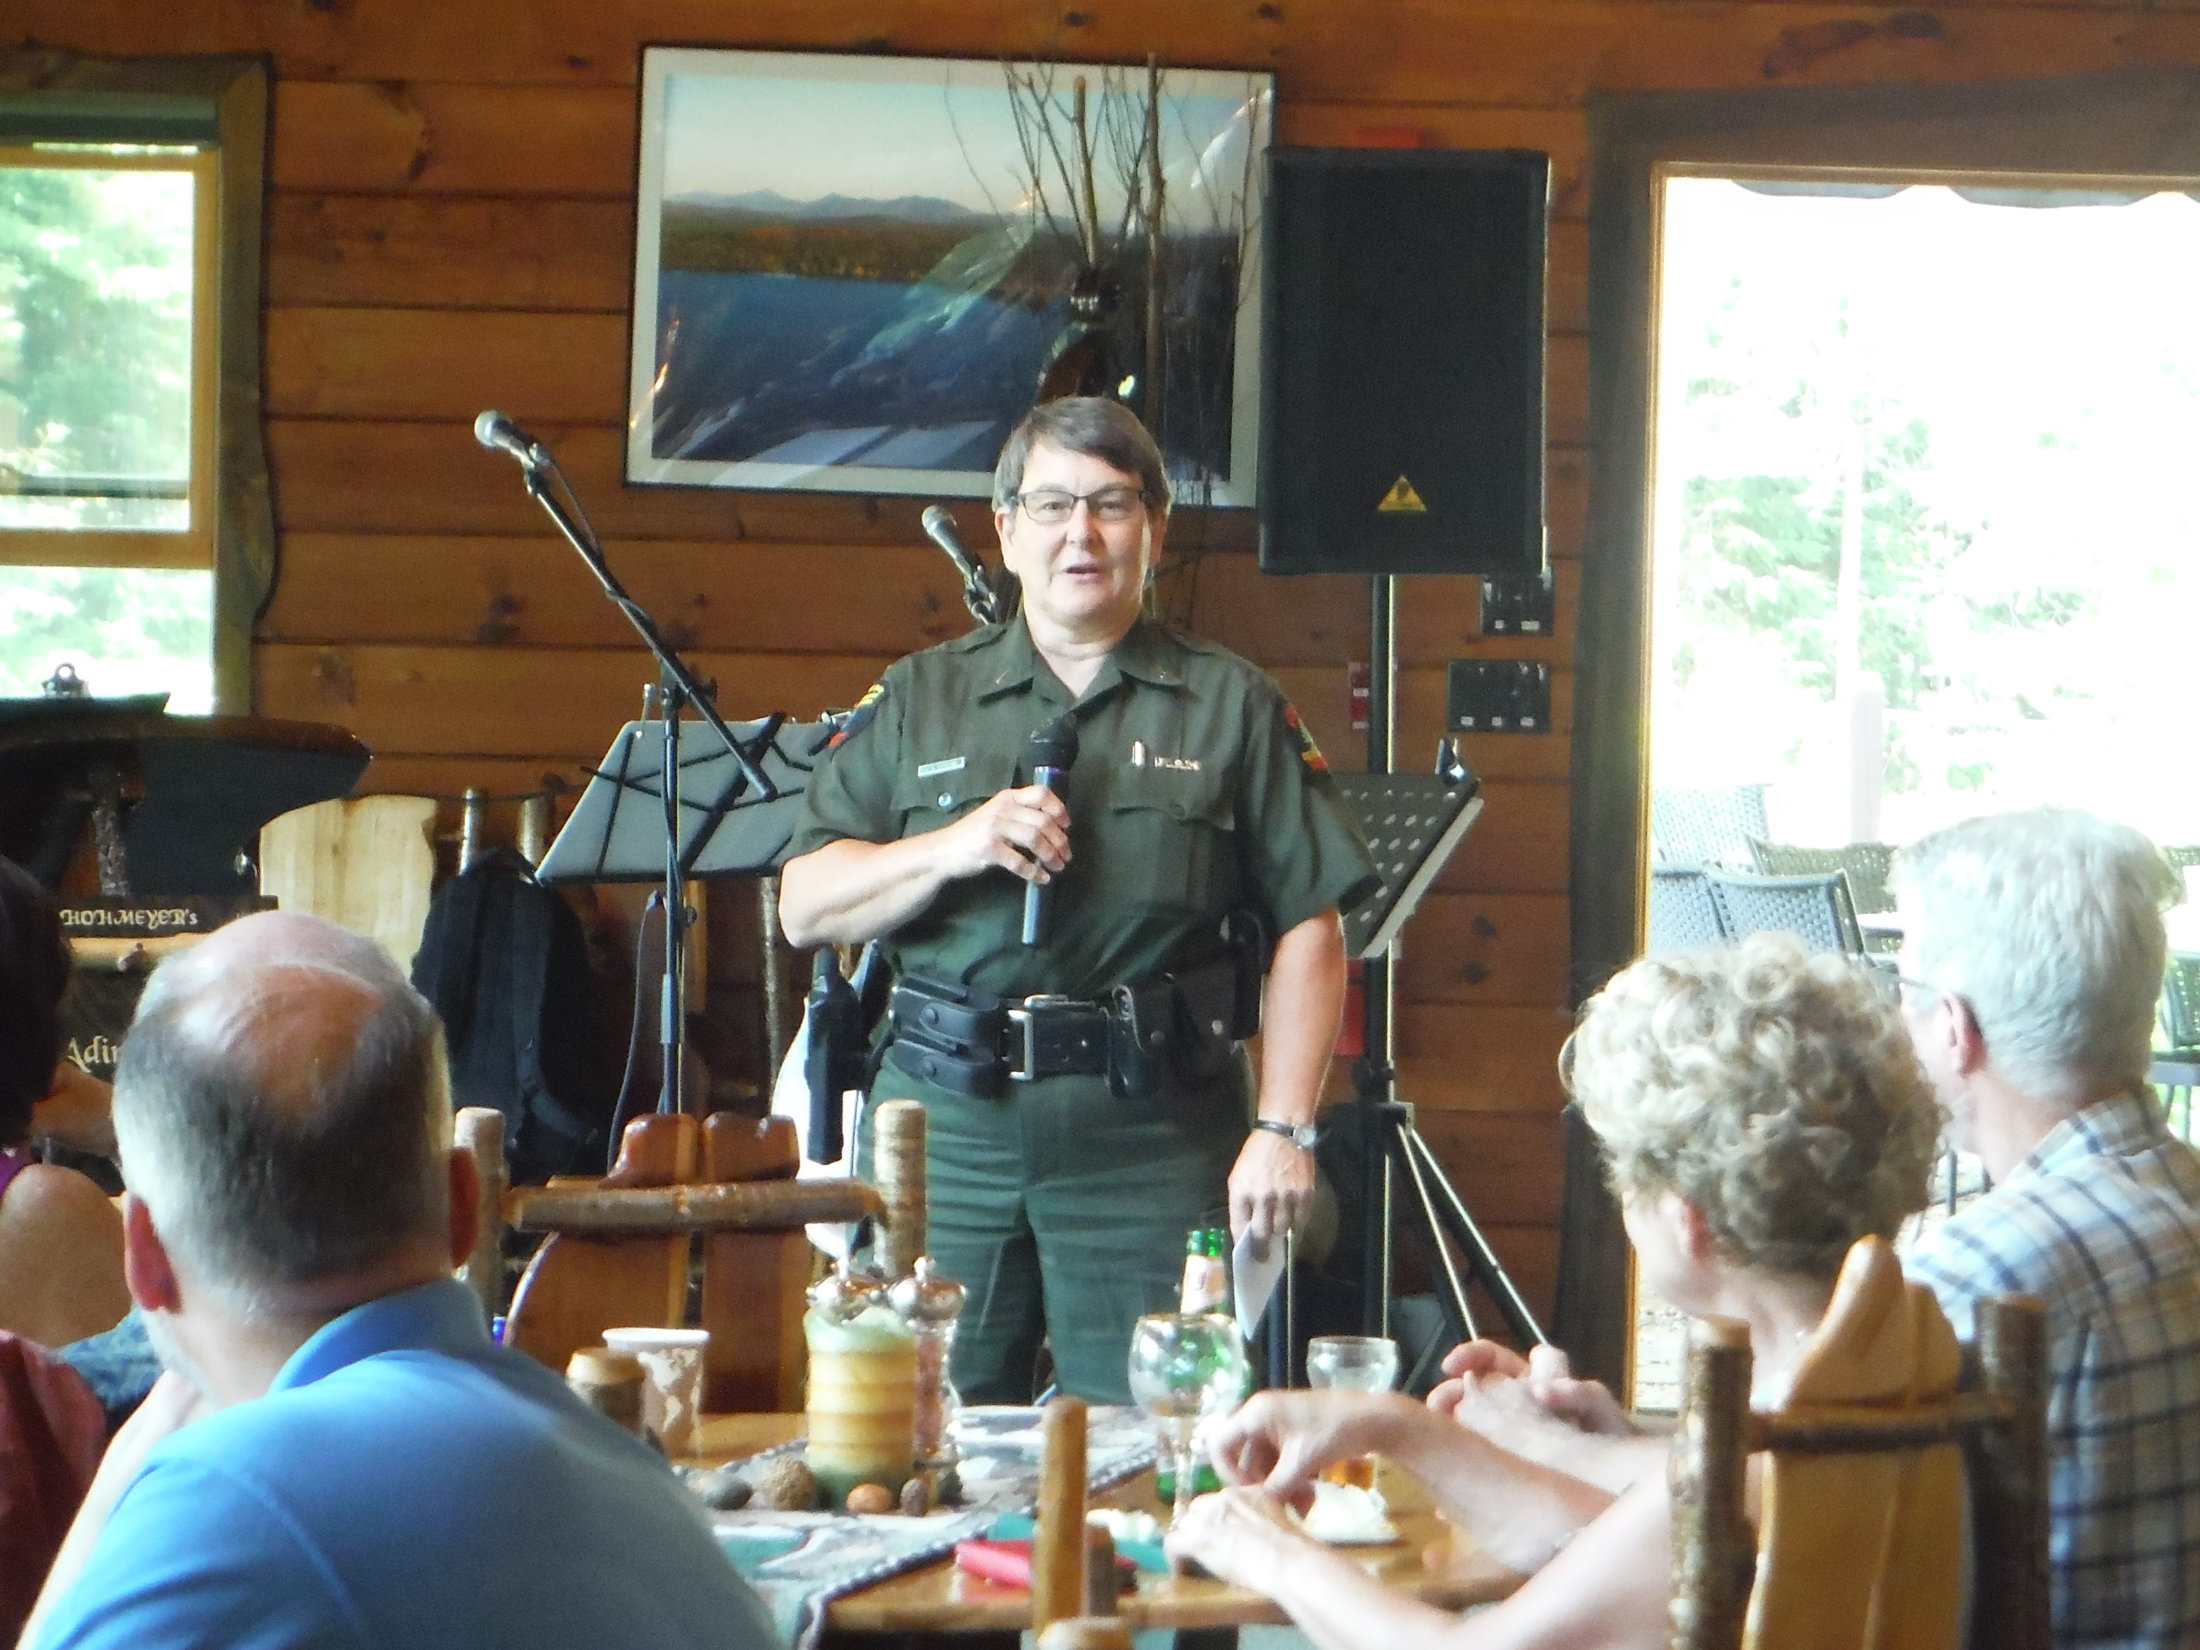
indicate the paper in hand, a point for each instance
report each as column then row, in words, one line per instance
column 1254, row 1269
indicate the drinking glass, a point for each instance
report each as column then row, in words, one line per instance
column 1185, row 1367
column 1358, row 1363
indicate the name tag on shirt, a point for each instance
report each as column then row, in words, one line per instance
column 1141, row 757
column 931, row 770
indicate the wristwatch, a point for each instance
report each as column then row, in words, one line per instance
column 1301, row 1135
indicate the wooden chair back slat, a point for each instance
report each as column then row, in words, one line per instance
column 1858, row 1545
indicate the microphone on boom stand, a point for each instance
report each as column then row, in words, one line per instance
column 499, row 434
column 978, row 592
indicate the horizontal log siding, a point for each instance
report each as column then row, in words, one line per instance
column 451, row 228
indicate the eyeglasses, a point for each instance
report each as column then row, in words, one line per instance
column 1051, row 506
column 1891, row 985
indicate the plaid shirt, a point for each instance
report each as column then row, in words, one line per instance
column 2102, row 1222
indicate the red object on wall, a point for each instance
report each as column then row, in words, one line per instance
column 1357, row 682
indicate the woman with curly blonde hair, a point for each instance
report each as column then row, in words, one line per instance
column 1760, row 1111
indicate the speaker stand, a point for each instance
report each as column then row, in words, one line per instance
column 1392, row 1148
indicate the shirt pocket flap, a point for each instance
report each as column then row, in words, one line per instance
column 1186, row 795
column 951, row 782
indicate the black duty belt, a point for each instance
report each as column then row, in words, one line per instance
column 1185, row 1024
column 976, row 1044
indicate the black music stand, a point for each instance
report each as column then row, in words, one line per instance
column 1413, row 824
column 617, row 830
column 621, row 829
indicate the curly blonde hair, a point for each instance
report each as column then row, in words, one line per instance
column 1775, row 1090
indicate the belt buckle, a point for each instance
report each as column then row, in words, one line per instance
column 1021, row 1017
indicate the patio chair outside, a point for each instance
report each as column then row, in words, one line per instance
column 1870, row 866
column 2177, row 1063
column 1682, row 915
column 1705, row 824
column 1818, row 908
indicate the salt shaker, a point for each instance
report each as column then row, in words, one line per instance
column 931, row 1303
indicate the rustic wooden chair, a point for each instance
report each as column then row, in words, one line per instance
column 1863, row 1516
column 618, row 1248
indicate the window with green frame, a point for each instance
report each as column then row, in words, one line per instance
column 135, row 538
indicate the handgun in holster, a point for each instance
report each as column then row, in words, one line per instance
column 844, row 1014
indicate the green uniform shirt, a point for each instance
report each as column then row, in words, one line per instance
column 1195, row 791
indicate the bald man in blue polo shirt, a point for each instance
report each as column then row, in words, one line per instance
column 338, row 1455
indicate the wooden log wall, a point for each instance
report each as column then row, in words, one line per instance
column 451, row 229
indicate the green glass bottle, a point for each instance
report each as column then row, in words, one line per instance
column 1206, row 1291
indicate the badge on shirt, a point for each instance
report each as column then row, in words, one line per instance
column 951, row 764
column 859, row 718
column 1309, row 752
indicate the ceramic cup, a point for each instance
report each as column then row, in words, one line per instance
column 672, row 1402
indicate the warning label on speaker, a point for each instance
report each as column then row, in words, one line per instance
column 1401, row 497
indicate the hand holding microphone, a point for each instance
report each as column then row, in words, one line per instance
column 1051, row 752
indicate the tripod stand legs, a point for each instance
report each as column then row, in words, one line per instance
column 1442, row 1215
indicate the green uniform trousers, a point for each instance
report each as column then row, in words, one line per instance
column 1063, row 1210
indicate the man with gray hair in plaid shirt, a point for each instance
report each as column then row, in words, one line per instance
column 2032, row 959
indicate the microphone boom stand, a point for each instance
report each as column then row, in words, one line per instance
column 678, row 688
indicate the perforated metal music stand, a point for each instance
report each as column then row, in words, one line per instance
column 617, row 830
column 1413, row 824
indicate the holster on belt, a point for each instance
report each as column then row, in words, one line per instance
column 1141, row 1028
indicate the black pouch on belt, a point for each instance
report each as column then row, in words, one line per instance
column 1207, row 1008
column 1141, row 1026
column 948, row 1035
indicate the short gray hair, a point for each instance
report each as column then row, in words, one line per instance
column 2049, row 924
column 1774, row 1089
column 1090, row 425
column 262, row 1171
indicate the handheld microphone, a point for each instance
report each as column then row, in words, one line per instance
column 1051, row 750
column 978, row 595
column 499, row 434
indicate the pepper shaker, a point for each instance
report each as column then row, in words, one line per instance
column 931, row 1304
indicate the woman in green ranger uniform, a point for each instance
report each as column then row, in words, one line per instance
column 1086, row 1097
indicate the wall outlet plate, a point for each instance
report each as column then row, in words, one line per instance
column 1497, row 696
column 1519, row 604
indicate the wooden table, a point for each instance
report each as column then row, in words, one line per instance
column 1433, row 1563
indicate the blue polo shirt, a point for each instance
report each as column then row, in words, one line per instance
column 405, row 1482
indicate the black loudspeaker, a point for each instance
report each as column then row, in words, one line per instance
column 1402, row 402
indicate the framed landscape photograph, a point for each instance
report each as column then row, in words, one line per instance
column 855, row 274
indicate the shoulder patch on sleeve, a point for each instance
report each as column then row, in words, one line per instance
column 1309, row 752
column 859, row 718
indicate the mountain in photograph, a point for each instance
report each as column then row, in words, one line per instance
column 769, row 203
